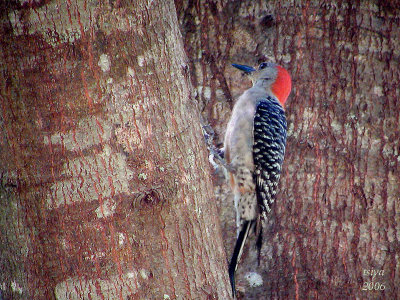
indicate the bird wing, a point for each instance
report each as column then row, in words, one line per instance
column 269, row 144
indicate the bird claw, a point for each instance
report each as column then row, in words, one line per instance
column 216, row 156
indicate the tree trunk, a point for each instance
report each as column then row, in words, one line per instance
column 334, row 232
column 106, row 190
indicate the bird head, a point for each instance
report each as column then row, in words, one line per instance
column 271, row 77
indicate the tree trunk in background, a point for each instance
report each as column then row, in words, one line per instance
column 336, row 221
column 105, row 187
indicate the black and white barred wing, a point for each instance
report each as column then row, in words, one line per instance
column 269, row 150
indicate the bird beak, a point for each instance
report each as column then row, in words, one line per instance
column 244, row 68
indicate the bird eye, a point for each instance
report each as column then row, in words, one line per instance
column 263, row 66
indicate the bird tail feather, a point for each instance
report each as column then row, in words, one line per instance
column 237, row 252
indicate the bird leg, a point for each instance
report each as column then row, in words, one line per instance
column 216, row 154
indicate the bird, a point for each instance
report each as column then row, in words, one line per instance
column 254, row 149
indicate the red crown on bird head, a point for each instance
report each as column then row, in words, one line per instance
column 282, row 85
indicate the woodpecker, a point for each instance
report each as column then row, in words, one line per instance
column 254, row 150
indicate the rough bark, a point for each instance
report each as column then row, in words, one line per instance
column 337, row 216
column 105, row 190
